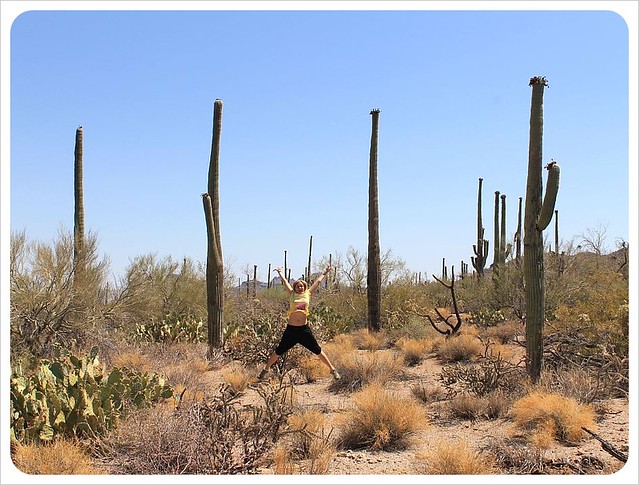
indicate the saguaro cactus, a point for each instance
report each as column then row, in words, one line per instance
column 373, row 279
column 214, row 264
column 536, row 218
column 308, row 269
column 481, row 248
column 78, row 222
column 496, row 235
column 518, row 234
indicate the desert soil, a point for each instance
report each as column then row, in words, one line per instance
column 588, row 457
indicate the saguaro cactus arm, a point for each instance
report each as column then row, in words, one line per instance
column 550, row 197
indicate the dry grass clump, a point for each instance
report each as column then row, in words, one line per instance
column 237, row 380
column 381, row 421
column 516, row 458
column 312, row 369
column 456, row 458
column 549, row 417
column 343, row 341
column 360, row 369
column 464, row 347
column 472, row 407
column 414, row 350
column 133, row 360
column 371, row 341
column 58, row 458
column 467, row 406
column 307, row 448
column 505, row 332
column 428, row 395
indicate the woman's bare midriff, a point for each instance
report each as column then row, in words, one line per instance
column 297, row 319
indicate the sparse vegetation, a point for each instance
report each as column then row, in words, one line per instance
column 382, row 402
column 381, row 421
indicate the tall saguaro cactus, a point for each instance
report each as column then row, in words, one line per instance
column 481, row 248
column 214, row 264
column 78, row 220
column 373, row 279
column 537, row 216
column 496, row 235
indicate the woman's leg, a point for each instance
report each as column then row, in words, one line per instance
column 324, row 358
column 271, row 360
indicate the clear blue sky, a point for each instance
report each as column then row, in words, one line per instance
column 297, row 87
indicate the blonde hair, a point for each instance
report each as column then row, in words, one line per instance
column 300, row 281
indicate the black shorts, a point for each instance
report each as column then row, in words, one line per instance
column 298, row 335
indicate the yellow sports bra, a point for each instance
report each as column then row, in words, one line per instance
column 300, row 303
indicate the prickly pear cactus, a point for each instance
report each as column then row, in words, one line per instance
column 73, row 396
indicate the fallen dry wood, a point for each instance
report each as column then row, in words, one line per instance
column 607, row 446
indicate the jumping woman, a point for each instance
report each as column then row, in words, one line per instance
column 297, row 330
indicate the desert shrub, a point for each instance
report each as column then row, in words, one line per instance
column 312, row 369
column 413, row 350
column 580, row 384
column 307, row 447
column 359, row 369
column 60, row 457
column 237, row 380
column 414, row 327
column 461, row 347
column 255, row 333
column 381, row 421
column 184, row 365
column 219, row 436
column 49, row 302
column 158, row 289
column 456, row 458
column 547, row 417
column 326, row 320
column 484, row 317
column 515, row 458
column 505, row 332
column 472, row 407
column 467, row 406
column 489, row 374
column 577, row 348
column 367, row 340
column 428, row 394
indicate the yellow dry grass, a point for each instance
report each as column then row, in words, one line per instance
column 58, row 458
column 312, row 368
column 381, row 420
column 548, row 417
column 462, row 347
column 455, row 458
column 414, row 350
